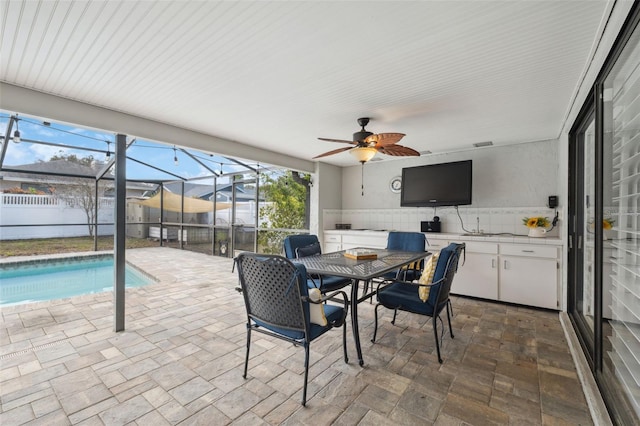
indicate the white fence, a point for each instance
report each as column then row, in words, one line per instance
column 52, row 216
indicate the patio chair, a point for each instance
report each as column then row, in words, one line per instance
column 303, row 245
column 405, row 296
column 406, row 241
column 279, row 304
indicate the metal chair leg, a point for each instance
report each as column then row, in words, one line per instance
column 344, row 341
column 435, row 332
column 246, row 359
column 395, row 312
column 306, row 373
column 449, row 319
column 375, row 323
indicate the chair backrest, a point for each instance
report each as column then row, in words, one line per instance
column 272, row 287
column 407, row 241
column 292, row 243
column 445, row 271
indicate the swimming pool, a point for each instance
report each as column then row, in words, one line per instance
column 25, row 282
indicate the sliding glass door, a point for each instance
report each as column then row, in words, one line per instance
column 604, row 227
column 581, row 234
column 621, row 228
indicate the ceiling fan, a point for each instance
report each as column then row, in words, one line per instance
column 367, row 144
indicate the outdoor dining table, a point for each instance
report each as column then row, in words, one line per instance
column 365, row 270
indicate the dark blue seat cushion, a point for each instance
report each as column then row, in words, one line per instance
column 310, row 250
column 404, row 296
column 331, row 312
column 292, row 242
column 303, row 245
column 328, row 283
column 408, row 275
column 406, row 241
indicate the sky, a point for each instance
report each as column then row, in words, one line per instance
column 156, row 154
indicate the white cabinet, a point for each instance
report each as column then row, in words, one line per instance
column 364, row 239
column 478, row 275
column 529, row 275
column 434, row 245
column 526, row 274
column 522, row 272
column 332, row 242
column 344, row 240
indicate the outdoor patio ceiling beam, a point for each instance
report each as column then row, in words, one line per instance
column 156, row 168
column 58, row 108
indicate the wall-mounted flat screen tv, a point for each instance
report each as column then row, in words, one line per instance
column 431, row 185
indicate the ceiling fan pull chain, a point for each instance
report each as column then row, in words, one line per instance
column 362, row 178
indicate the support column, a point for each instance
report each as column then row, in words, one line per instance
column 119, row 232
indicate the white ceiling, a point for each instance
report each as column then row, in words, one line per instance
column 280, row 74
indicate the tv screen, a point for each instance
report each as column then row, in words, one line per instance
column 445, row 184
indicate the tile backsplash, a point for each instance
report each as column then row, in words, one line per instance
column 490, row 220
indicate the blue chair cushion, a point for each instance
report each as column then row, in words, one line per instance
column 404, row 275
column 406, row 241
column 310, row 250
column 302, row 245
column 329, row 283
column 331, row 312
column 292, row 242
column 404, row 296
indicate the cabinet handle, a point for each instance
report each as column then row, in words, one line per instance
column 528, row 251
column 505, row 264
column 493, row 263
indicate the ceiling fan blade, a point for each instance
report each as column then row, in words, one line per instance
column 398, row 151
column 384, row 139
column 335, row 151
column 339, row 140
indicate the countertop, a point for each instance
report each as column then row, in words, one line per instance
column 493, row 238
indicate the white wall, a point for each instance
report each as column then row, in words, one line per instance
column 326, row 193
column 18, row 209
column 522, row 175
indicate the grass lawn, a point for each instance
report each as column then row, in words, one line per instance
column 65, row 245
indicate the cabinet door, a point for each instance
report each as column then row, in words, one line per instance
column 332, row 242
column 368, row 240
column 477, row 277
column 331, row 247
column 529, row 281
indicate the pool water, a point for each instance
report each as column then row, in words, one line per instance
column 57, row 279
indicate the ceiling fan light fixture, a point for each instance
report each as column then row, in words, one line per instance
column 363, row 153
